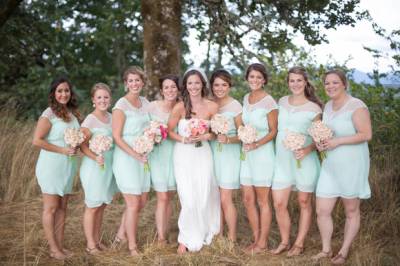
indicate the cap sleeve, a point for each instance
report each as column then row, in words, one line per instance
column 236, row 108
column 315, row 108
column 121, row 104
column 357, row 104
column 89, row 121
column 269, row 103
column 48, row 113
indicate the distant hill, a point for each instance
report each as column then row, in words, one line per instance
column 362, row 77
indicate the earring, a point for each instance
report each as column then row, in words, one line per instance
column 94, row 105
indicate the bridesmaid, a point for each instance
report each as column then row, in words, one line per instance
column 129, row 118
column 98, row 183
column 55, row 171
column 296, row 113
column 259, row 111
column 340, row 176
column 227, row 162
column 160, row 160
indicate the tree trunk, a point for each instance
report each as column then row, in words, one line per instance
column 161, row 41
column 7, row 7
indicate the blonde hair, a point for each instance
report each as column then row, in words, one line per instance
column 99, row 86
column 134, row 70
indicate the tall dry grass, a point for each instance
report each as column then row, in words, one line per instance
column 22, row 239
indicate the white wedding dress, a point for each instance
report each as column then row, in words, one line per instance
column 199, row 219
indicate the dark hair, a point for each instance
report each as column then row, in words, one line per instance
column 172, row 77
column 340, row 73
column 260, row 68
column 222, row 74
column 60, row 110
column 185, row 94
column 134, row 70
column 309, row 90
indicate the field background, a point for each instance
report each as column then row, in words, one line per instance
column 22, row 239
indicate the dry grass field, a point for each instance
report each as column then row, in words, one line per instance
column 22, row 239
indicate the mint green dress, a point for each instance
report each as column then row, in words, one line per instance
column 286, row 174
column 98, row 184
column 344, row 173
column 129, row 172
column 227, row 161
column 258, row 167
column 160, row 159
column 55, row 172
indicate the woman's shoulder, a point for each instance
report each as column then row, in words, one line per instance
column 48, row 113
column 211, row 104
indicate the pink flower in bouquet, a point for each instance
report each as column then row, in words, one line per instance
column 197, row 127
column 320, row 132
column 247, row 134
column 143, row 145
column 219, row 125
column 156, row 131
column 294, row 141
column 100, row 144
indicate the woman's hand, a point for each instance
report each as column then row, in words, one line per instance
column 250, row 147
column 222, row 138
column 69, row 151
column 100, row 159
column 328, row 144
column 301, row 153
column 140, row 157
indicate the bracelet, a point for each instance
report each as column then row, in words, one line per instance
column 256, row 143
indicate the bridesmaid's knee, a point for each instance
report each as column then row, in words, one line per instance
column 280, row 205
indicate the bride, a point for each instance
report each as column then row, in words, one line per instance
column 199, row 219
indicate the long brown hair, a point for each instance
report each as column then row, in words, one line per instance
column 60, row 110
column 309, row 90
column 185, row 94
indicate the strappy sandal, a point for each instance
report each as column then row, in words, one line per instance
column 134, row 252
column 295, row 251
column 322, row 255
column 53, row 255
column 100, row 246
column 338, row 259
column 117, row 243
column 282, row 247
column 68, row 253
column 92, row 251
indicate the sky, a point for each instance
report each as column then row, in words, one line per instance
column 345, row 42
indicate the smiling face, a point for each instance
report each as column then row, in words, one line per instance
column 220, row 88
column 134, row 83
column 101, row 99
column 256, row 80
column 334, row 86
column 63, row 93
column 169, row 90
column 297, row 84
column 194, row 85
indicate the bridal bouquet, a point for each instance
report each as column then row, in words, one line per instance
column 73, row 137
column 219, row 125
column 197, row 127
column 294, row 141
column 247, row 134
column 143, row 145
column 156, row 131
column 320, row 132
column 99, row 144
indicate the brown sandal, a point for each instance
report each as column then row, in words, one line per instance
column 323, row 254
column 295, row 251
column 92, row 251
column 338, row 259
column 282, row 247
